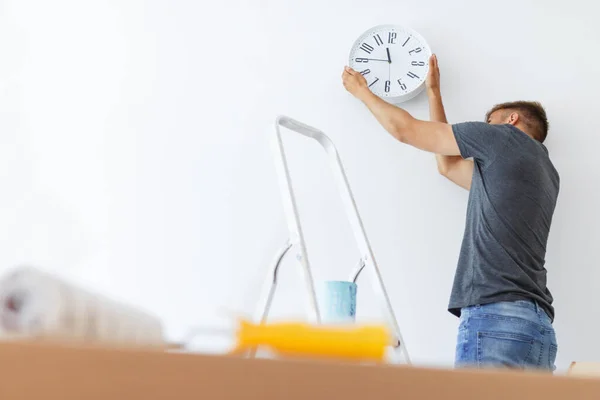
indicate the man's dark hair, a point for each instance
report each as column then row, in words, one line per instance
column 532, row 114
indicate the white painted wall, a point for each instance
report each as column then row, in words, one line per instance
column 135, row 160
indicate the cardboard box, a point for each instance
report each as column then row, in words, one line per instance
column 59, row 372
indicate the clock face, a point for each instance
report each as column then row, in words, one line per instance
column 393, row 59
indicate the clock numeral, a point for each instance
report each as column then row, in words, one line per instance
column 402, row 85
column 418, row 63
column 367, row 48
column 372, row 83
column 387, row 86
column 365, row 72
column 417, row 50
column 392, row 37
column 361, row 60
column 378, row 40
column 404, row 44
column 412, row 75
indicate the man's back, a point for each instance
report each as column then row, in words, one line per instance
column 500, row 285
column 511, row 203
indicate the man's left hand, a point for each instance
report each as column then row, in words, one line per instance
column 355, row 83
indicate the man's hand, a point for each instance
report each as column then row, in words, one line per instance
column 355, row 83
column 455, row 168
column 433, row 76
column 436, row 108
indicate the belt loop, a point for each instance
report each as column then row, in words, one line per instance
column 537, row 307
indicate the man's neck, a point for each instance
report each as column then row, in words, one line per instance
column 525, row 130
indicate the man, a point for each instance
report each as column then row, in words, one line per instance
column 499, row 289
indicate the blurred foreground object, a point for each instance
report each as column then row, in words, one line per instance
column 37, row 305
column 351, row 342
column 584, row 368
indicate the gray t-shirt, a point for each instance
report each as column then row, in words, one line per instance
column 511, row 202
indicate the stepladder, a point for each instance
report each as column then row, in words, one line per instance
column 295, row 241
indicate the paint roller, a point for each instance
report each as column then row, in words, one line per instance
column 38, row 305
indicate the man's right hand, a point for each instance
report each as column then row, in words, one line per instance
column 455, row 168
column 436, row 108
column 433, row 76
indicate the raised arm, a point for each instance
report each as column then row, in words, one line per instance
column 455, row 168
column 434, row 137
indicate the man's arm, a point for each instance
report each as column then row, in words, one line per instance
column 455, row 168
column 434, row 137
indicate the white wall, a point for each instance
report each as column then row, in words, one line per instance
column 134, row 151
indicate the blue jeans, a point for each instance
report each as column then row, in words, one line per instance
column 513, row 334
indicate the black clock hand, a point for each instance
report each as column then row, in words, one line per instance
column 388, row 54
column 372, row 59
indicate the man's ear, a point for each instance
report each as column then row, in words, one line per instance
column 513, row 118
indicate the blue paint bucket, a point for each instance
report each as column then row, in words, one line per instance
column 338, row 302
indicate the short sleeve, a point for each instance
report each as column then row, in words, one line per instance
column 479, row 140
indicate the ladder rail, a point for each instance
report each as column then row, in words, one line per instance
column 290, row 208
column 368, row 261
column 400, row 345
column 264, row 304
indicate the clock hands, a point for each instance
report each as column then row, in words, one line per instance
column 388, row 60
column 389, row 65
column 372, row 59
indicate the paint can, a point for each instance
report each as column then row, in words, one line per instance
column 338, row 302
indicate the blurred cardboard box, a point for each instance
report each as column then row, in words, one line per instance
column 34, row 371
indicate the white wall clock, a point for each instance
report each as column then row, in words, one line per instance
column 394, row 60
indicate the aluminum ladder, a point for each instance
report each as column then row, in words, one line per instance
column 296, row 239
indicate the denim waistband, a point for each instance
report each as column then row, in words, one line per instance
column 509, row 308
